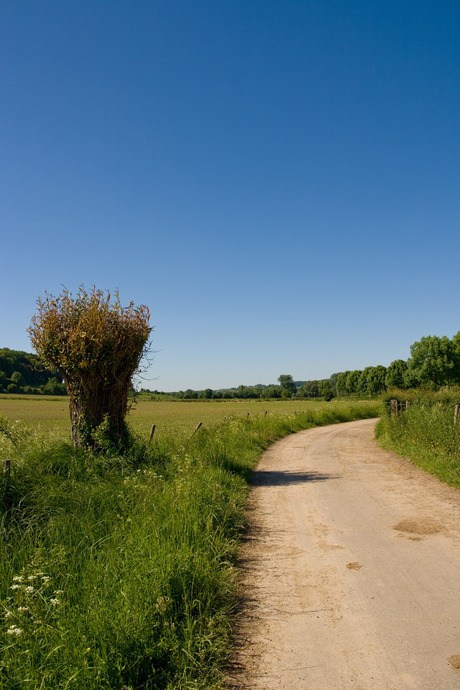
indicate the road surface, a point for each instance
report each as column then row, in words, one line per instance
column 350, row 569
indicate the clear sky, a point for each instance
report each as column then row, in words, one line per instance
column 278, row 180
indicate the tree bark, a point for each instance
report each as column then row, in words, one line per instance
column 91, row 404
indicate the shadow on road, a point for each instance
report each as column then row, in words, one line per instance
column 261, row 478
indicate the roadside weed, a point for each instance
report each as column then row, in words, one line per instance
column 426, row 433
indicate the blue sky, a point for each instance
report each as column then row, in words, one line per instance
column 279, row 181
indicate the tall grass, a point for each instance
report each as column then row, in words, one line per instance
column 119, row 571
column 425, row 432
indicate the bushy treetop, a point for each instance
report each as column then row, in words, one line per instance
column 90, row 333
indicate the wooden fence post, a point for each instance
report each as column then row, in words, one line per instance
column 457, row 409
column 152, row 431
column 6, row 472
column 196, row 428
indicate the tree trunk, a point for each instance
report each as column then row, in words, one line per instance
column 91, row 405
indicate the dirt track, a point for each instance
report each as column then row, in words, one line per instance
column 351, row 569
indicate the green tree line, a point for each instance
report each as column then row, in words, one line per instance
column 434, row 362
column 21, row 372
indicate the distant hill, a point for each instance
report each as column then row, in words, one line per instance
column 22, row 372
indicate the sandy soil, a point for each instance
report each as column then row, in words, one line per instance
column 350, row 569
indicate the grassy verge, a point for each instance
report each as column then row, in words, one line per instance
column 425, row 432
column 119, row 572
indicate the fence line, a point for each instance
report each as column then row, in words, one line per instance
column 398, row 407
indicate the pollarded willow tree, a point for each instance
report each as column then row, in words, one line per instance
column 97, row 346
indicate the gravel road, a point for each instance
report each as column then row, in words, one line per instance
column 350, row 569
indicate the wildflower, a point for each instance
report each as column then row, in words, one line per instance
column 14, row 630
column 162, row 603
column 22, row 609
column 58, row 591
column 29, row 590
column 45, row 578
column 32, row 577
column 54, row 602
column 9, row 614
column 15, row 587
column 18, row 578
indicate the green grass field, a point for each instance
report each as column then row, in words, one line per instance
column 52, row 413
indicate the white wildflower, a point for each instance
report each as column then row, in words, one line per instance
column 22, row 609
column 32, row 577
column 14, row 630
column 45, row 578
column 29, row 590
column 13, row 587
column 58, row 591
column 9, row 614
column 54, row 602
column 18, row 578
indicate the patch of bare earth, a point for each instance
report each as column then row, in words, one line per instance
column 350, row 569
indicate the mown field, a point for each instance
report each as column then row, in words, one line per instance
column 49, row 413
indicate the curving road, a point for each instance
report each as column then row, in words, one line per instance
column 350, row 569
